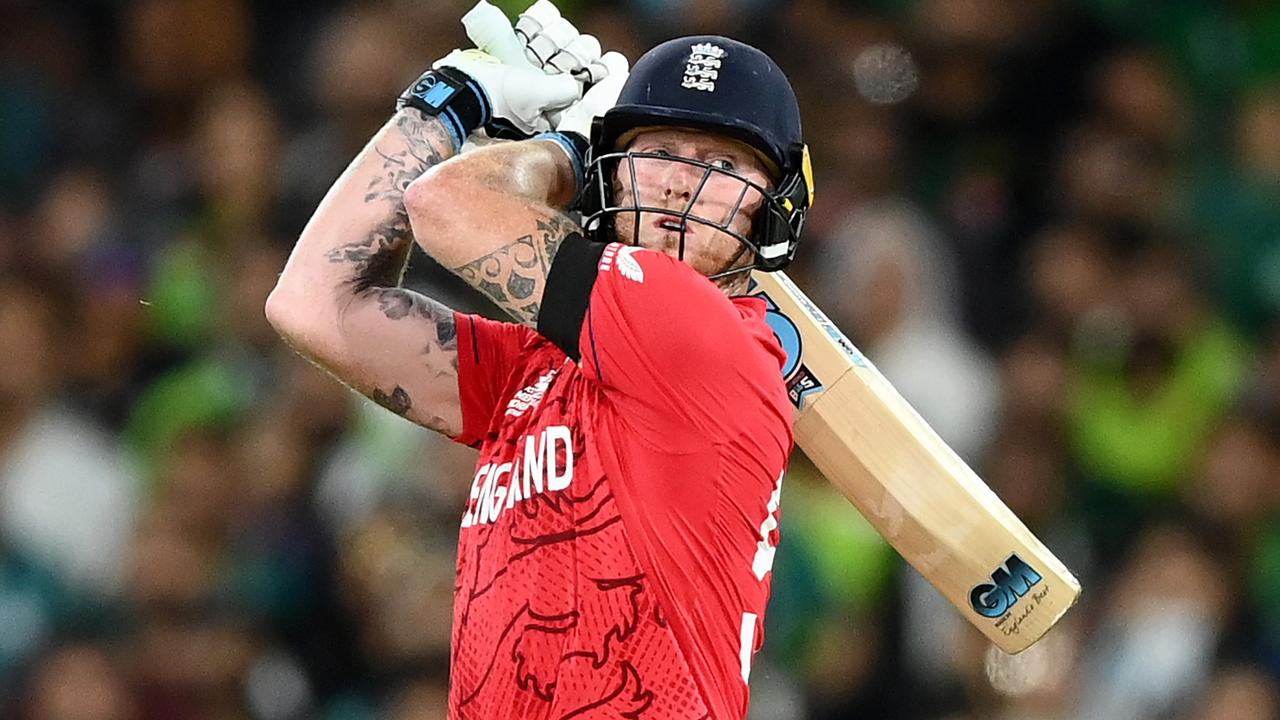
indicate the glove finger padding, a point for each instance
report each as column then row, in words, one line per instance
column 531, row 98
column 615, row 63
column 536, row 17
column 576, row 58
column 602, row 96
column 553, row 38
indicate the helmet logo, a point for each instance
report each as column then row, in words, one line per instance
column 703, row 67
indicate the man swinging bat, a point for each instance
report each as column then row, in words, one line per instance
column 633, row 426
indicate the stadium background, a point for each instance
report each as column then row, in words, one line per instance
column 1058, row 232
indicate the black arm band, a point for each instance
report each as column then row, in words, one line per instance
column 568, row 292
column 451, row 95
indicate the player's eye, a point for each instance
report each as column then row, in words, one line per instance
column 723, row 164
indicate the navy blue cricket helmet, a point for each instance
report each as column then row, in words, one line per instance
column 712, row 83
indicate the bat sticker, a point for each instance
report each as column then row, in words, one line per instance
column 801, row 382
column 1009, row 583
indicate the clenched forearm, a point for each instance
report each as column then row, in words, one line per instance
column 536, row 170
column 495, row 217
column 339, row 300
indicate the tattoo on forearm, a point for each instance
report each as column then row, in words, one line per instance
column 367, row 272
column 554, row 230
column 378, row 259
column 514, row 275
column 439, row 355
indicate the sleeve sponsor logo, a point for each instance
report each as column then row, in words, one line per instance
column 629, row 266
column 530, row 396
column 619, row 256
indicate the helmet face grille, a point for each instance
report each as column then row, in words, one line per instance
column 775, row 228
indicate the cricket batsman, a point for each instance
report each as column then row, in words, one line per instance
column 615, row 551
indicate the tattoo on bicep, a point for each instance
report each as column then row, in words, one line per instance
column 397, row 401
column 513, row 276
column 398, row 303
column 554, row 230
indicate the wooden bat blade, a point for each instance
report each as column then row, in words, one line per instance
column 909, row 484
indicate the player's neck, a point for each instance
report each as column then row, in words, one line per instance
column 734, row 285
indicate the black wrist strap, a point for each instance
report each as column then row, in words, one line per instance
column 454, row 97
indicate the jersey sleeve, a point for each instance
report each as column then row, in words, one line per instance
column 488, row 352
column 659, row 337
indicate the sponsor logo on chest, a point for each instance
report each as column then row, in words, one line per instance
column 543, row 462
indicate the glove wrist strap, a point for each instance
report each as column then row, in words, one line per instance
column 575, row 146
column 454, row 97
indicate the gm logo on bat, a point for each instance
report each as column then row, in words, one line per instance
column 1009, row 583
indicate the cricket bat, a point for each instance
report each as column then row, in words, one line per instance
column 921, row 497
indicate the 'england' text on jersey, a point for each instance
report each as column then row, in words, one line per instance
column 497, row 487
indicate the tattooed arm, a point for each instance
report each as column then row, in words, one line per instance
column 492, row 218
column 339, row 300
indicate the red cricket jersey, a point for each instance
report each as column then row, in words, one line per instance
column 615, row 552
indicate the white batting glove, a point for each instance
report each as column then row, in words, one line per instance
column 491, row 87
column 541, row 39
column 555, row 45
column 519, row 96
column 573, row 128
column 602, row 96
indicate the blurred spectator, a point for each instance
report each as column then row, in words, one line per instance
column 34, row 608
column 1235, row 205
column 237, row 146
column 1073, row 279
column 68, row 497
column 1151, row 379
column 890, row 282
column 1237, row 693
column 1107, row 176
column 421, row 701
column 80, row 682
column 1136, row 91
column 1159, row 630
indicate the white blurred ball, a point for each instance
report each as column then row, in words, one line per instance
column 885, row 73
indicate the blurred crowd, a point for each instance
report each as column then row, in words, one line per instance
column 1053, row 224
